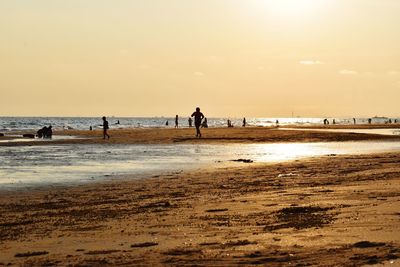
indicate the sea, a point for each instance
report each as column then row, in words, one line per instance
column 8, row 124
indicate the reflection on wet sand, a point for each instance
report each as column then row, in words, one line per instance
column 60, row 164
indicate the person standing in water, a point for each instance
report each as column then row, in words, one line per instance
column 105, row 128
column 198, row 117
column 190, row 121
column 176, row 121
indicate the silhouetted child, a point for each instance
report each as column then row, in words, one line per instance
column 190, row 121
column 205, row 123
column 105, row 128
column 176, row 121
column 198, row 117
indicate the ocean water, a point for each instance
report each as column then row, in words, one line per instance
column 30, row 166
column 8, row 124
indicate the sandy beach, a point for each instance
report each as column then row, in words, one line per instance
column 327, row 211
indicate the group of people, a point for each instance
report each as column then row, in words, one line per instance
column 199, row 122
column 389, row 121
column 45, row 132
column 203, row 124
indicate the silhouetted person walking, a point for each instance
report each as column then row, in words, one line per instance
column 244, row 122
column 190, row 122
column 176, row 121
column 198, row 117
column 105, row 128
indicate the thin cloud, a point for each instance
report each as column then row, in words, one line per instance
column 198, row 73
column 348, row 72
column 393, row 72
column 311, row 62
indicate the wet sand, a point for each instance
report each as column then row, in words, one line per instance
column 330, row 211
column 210, row 135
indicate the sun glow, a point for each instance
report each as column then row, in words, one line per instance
column 292, row 8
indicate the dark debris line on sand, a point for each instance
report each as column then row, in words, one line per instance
column 144, row 245
column 30, row 254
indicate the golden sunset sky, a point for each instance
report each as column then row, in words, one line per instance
column 262, row 58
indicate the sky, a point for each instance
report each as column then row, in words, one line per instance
column 253, row 58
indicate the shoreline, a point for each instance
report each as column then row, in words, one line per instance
column 335, row 210
column 210, row 136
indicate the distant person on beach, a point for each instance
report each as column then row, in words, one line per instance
column 90, row 128
column 40, row 132
column 333, row 121
column 369, row 121
column 45, row 132
column 204, row 124
column 277, row 123
column 354, row 120
column 198, row 117
column 244, row 122
column 105, row 128
column 166, row 124
column 49, row 132
column 190, row 121
column 176, row 121
column 117, row 122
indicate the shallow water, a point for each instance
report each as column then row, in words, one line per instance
column 26, row 166
column 386, row 131
column 18, row 138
